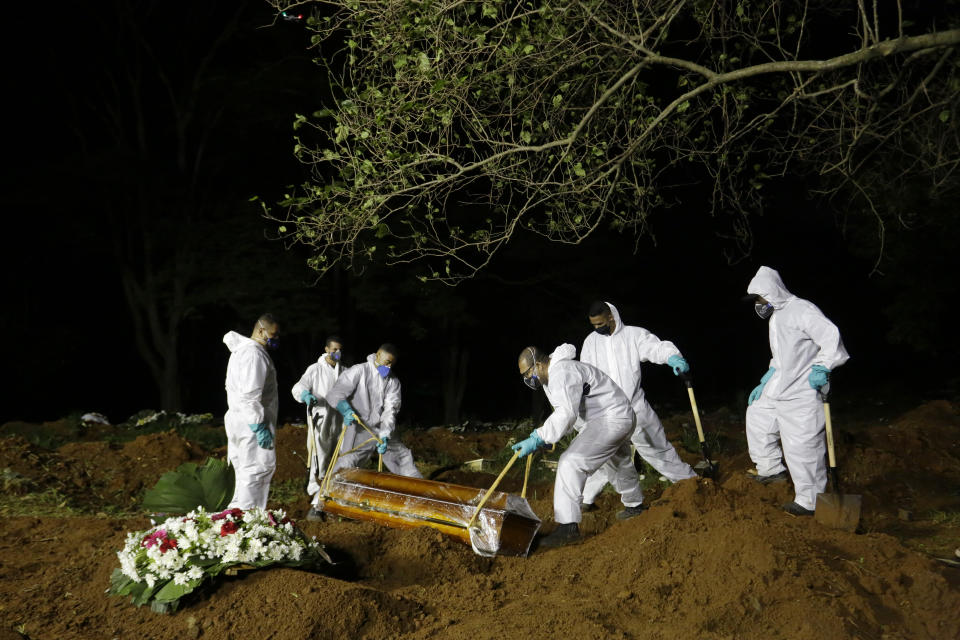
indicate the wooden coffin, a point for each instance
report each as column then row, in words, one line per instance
column 506, row 525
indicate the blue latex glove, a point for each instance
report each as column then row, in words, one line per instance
column 528, row 446
column 679, row 364
column 308, row 398
column 382, row 446
column 346, row 411
column 264, row 437
column 755, row 394
column 819, row 376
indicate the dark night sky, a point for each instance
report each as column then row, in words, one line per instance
column 68, row 341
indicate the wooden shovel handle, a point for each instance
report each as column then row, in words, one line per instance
column 493, row 487
column 831, row 456
column 526, row 476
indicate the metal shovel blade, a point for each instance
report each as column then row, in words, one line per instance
column 838, row 510
column 707, row 469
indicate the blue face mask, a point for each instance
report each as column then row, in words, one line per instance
column 763, row 310
column 335, row 355
column 533, row 381
column 271, row 343
column 383, row 370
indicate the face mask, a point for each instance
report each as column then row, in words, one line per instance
column 534, row 380
column 763, row 310
column 603, row 330
column 336, row 356
column 383, row 370
column 271, row 343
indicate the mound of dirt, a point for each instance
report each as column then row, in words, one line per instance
column 99, row 474
column 709, row 560
column 706, row 561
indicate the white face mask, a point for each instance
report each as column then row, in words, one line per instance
column 763, row 310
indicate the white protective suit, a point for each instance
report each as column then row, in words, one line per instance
column 318, row 379
column 800, row 337
column 251, row 399
column 619, row 356
column 376, row 400
column 578, row 390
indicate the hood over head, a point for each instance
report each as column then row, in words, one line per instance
column 767, row 283
column 563, row 352
column 234, row 341
column 616, row 318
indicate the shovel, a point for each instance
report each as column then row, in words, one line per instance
column 375, row 436
column 707, row 468
column 311, row 445
column 836, row 510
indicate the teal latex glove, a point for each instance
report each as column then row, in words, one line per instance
column 819, row 377
column 264, row 437
column 528, row 446
column 346, row 411
column 382, row 445
column 758, row 390
column 308, row 398
column 679, row 364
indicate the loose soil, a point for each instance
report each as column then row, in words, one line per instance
column 710, row 560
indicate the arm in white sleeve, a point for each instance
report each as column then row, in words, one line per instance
column 566, row 390
column 305, row 383
column 557, row 425
column 344, row 387
column 825, row 335
column 251, row 379
column 653, row 349
column 588, row 352
column 391, row 405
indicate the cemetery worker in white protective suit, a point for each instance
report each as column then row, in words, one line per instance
column 251, row 418
column 579, row 390
column 312, row 390
column 617, row 350
column 805, row 347
column 372, row 391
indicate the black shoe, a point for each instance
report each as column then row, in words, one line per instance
column 588, row 506
column 563, row 534
column 315, row 515
column 630, row 512
column 797, row 510
column 772, row 479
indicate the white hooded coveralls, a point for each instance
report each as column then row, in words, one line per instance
column 318, row 379
column 376, row 400
column 575, row 389
column 619, row 356
column 251, row 399
column 800, row 337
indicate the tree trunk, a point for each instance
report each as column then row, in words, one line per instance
column 454, row 378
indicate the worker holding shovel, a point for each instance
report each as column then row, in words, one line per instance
column 618, row 350
column 323, row 421
column 579, row 390
column 805, row 347
column 370, row 391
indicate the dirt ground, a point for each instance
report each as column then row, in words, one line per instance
column 709, row 560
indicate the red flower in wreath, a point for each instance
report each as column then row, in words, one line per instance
column 233, row 513
column 228, row 527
